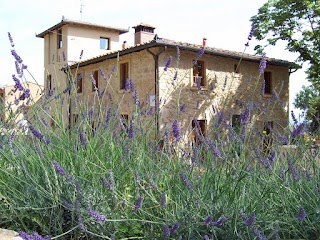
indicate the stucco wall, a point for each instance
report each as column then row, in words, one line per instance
column 230, row 91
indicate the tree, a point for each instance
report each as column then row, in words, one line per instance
column 298, row 23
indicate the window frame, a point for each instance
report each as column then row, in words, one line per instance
column 59, row 38
column 123, row 76
column 195, row 73
column 107, row 40
column 267, row 76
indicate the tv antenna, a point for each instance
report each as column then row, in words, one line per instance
column 81, row 8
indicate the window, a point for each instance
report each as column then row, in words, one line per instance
column 95, row 81
column 124, row 74
column 199, row 74
column 235, row 123
column 79, row 83
column 49, row 83
column 59, row 38
column 198, row 130
column 267, row 83
column 236, row 69
column 104, row 43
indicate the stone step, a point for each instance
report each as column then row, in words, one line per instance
column 6, row 234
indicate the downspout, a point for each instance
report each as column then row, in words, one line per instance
column 156, row 83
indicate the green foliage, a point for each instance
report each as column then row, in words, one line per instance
column 297, row 23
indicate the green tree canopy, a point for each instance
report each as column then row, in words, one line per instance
column 298, row 23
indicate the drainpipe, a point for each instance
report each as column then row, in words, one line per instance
column 156, row 82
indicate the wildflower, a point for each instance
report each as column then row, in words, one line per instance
column 153, row 184
column 138, row 203
column 102, row 73
column 18, row 85
column 83, row 140
column 183, row 107
column 174, row 228
column 245, row 117
column 10, row 39
column 263, row 63
column 251, row 220
column 25, row 236
column 111, row 179
column 201, row 52
column 113, row 69
column 301, row 214
column 259, row 233
column 293, row 116
column 106, row 123
column 67, row 205
column 69, row 178
column 36, row 133
column 168, row 63
column 282, row 173
column 285, row 140
column 298, row 131
column 166, row 230
column 176, row 130
column 132, row 86
column 96, row 216
column 80, row 76
column 208, row 220
column 206, row 237
column 163, row 200
column 16, row 56
column 127, row 85
column 39, row 150
column 250, row 35
column 220, row 221
column 136, row 97
column 185, row 181
column 58, row 168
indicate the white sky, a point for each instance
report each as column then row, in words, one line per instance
column 225, row 24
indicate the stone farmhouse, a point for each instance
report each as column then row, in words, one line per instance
column 177, row 80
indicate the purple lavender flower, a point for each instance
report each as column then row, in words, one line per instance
column 259, row 233
column 111, row 180
column 174, row 228
column 25, row 236
column 136, row 97
column 298, row 131
column 58, row 168
column 16, row 56
column 127, row 85
column 113, row 69
column 263, row 87
column 168, row 63
column 301, row 214
column 245, row 117
column 263, row 63
column 198, row 82
column 183, row 107
column 206, row 237
column 220, row 221
column 96, row 216
column 166, row 230
column 83, row 140
column 201, row 52
column 293, row 170
column 250, row 35
column 163, row 200
column 251, row 220
column 10, row 39
column 132, row 86
column 138, row 203
column 285, row 140
column 176, row 130
column 293, row 117
column 36, row 133
column 207, row 220
column 80, row 76
column 69, row 178
column 102, row 73
column 185, row 181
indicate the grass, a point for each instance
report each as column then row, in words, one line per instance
column 115, row 183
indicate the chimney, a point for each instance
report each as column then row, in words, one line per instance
column 204, row 42
column 125, row 45
column 143, row 33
